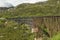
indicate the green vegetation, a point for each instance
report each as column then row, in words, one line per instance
column 11, row 30
column 56, row 37
column 50, row 8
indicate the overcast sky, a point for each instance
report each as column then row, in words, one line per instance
column 17, row 2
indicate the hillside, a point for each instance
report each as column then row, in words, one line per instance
column 46, row 28
column 38, row 9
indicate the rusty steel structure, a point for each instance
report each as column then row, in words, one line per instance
column 39, row 24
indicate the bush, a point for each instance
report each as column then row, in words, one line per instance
column 15, row 31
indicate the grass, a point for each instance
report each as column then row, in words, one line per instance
column 56, row 37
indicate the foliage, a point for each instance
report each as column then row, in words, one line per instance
column 14, row 31
column 11, row 30
column 56, row 37
column 49, row 8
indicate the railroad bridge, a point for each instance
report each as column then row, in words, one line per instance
column 39, row 24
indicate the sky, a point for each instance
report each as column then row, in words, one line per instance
column 17, row 2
